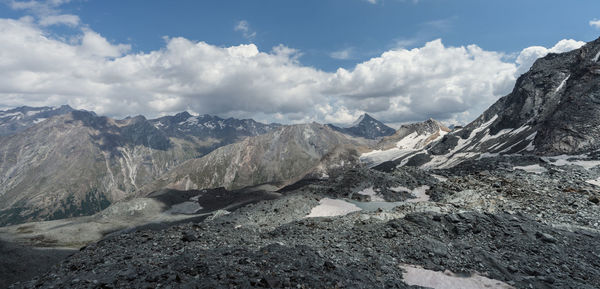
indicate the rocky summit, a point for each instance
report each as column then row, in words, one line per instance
column 367, row 127
column 511, row 200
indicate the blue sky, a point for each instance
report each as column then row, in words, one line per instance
column 319, row 37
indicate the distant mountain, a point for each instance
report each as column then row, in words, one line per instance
column 366, row 127
column 15, row 120
column 78, row 163
column 279, row 157
column 553, row 109
column 213, row 131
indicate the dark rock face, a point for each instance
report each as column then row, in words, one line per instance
column 366, row 127
column 553, row 109
column 558, row 99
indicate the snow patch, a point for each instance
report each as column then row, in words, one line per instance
column 536, row 169
column 562, row 84
column 577, row 160
column 418, row 193
column 331, row 207
column 409, row 144
column 595, row 182
column 596, row 57
column 439, row 178
column 370, row 192
column 376, row 157
column 38, row 120
column 33, row 112
column 416, row 276
column 454, row 157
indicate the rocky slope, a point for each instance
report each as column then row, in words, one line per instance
column 484, row 218
column 279, row 157
column 78, row 163
column 552, row 110
column 367, row 127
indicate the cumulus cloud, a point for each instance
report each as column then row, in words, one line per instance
column 595, row 23
column 65, row 19
column 433, row 81
column 343, row 54
column 530, row 54
column 47, row 12
column 244, row 27
column 90, row 72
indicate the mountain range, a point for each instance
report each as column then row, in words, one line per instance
column 85, row 162
column 62, row 162
column 510, row 200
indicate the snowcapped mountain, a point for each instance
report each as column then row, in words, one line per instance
column 553, row 109
column 366, row 127
column 221, row 131
column 18, row 119
column 408, row 139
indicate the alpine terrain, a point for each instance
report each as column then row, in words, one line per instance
column 511, row 200
column 72, row 163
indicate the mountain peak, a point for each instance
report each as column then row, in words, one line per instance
column 183, row 114
column 367, row 127
column 365, row 117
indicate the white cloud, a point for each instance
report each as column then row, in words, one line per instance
column 47, row 12
column 342, row 54
column 244, row 27
column 595, row 23
column 530, row 54
column 65, row 19
column 90, row 72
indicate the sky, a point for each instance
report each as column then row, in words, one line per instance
column 290, row 61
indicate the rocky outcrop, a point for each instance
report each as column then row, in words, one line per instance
column 553, row 109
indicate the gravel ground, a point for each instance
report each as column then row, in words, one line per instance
column 527, row 229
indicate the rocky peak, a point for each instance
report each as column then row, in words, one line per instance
column 367, row 127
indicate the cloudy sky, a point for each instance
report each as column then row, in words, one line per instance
column 284, row 61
